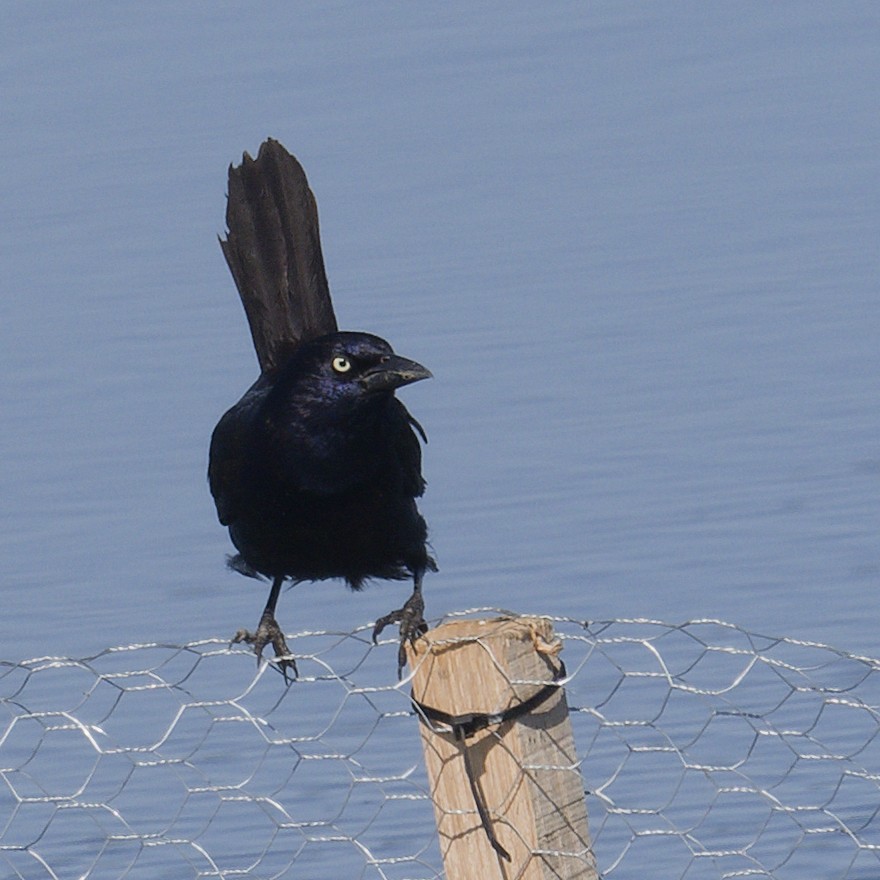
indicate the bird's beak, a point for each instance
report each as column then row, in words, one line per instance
column 393, row 372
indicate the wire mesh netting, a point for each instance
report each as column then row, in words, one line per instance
column 706, row 752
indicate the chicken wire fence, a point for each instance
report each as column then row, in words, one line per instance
column 706, row 751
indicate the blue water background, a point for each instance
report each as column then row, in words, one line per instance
column 637, row 246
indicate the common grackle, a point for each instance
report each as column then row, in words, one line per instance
column 316, row 469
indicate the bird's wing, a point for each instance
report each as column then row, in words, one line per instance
column 230, row 459
column 409, row 450
column 273, row 249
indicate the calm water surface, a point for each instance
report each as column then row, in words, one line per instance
column 638, row 251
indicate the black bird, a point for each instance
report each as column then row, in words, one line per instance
column 316, row 469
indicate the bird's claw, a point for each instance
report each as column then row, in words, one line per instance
column 412, row 624
column 268, row 632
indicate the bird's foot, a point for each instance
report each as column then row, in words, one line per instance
column 268, row 632
column 412, row 624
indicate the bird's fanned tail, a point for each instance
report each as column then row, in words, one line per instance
column 273, row 249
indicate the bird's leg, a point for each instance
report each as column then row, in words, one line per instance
column 269, row 631
column 411, row 619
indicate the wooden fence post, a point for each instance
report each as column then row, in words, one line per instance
column 525, row 770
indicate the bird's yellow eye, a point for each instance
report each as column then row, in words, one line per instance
column 341, row 364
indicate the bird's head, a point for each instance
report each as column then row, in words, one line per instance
column 347, row 365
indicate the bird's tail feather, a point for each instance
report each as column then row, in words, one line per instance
column 273, row 249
